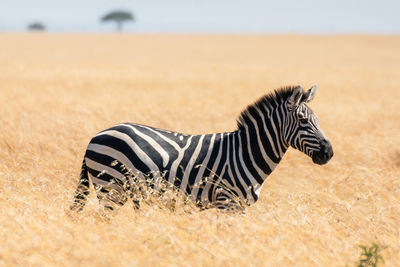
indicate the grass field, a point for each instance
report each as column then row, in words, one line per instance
column 56, row 91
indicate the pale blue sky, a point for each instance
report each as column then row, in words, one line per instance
column 208, row 16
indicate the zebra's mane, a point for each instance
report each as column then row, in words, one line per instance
column 270, row 100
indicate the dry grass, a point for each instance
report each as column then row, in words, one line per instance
column 57, row 91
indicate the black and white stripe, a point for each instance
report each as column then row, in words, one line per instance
column 216, row 169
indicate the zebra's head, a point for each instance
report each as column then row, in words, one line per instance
column 302, row 129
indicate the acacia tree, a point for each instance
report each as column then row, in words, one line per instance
column 36, row 26
column 119, row 17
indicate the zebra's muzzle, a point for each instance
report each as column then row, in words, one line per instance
column 324, row 154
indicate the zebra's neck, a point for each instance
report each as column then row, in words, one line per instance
column 255, row 149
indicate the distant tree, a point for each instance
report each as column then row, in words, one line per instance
column 119, row 17
column 36, row 26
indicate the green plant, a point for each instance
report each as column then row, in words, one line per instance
column 370, row 256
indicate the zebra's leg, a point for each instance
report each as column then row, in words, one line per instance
column 110, row 199
column 82, row 191
column 141, row 189
column 134, row 194
column 111, row 192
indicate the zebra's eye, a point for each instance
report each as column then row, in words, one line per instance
column 303, row 120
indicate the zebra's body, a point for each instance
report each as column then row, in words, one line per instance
column 210, row 168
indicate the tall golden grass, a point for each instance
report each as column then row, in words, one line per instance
column 56, row 91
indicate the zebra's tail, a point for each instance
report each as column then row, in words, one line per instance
column 82, row 191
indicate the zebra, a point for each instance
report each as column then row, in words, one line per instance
column 218, row 169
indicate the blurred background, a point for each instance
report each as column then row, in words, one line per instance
column 203, row 16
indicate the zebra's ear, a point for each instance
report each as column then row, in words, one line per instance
column 309, row 95
column 294, row 99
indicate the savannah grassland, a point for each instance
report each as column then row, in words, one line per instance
column 56, row 91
